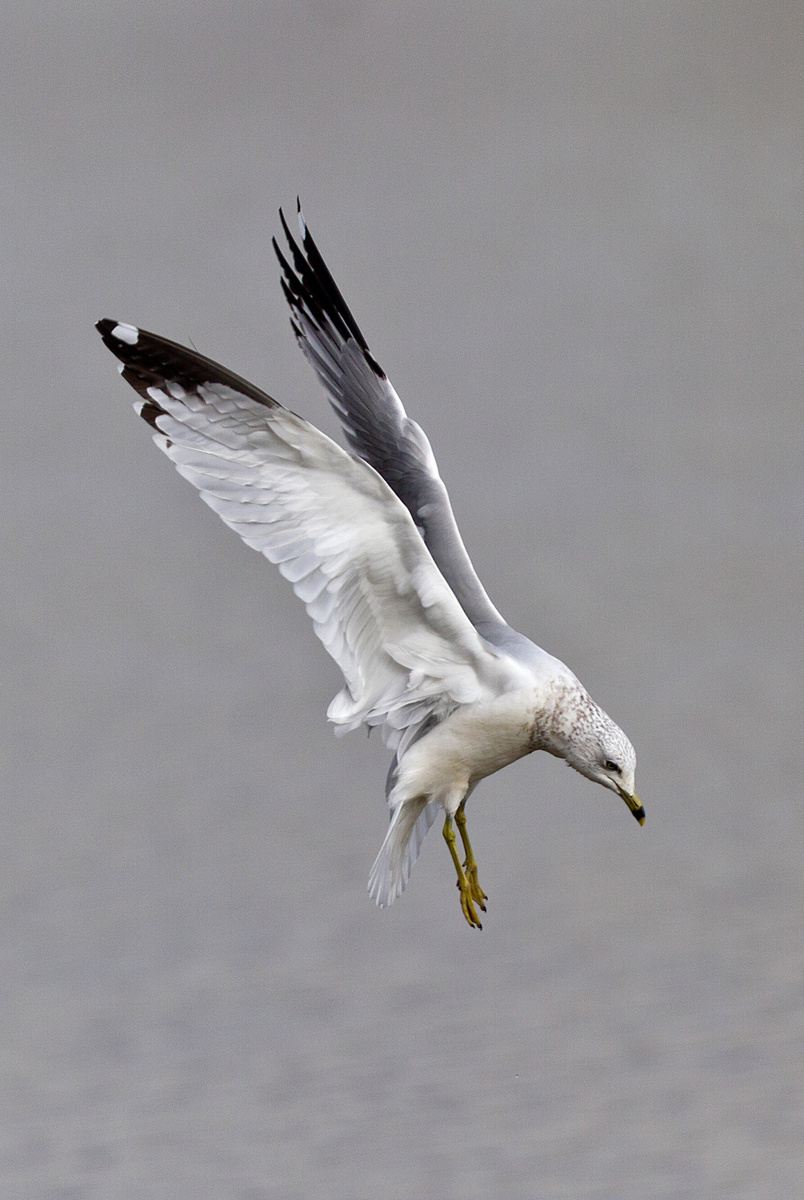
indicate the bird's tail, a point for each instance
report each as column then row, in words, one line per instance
column 403, row 841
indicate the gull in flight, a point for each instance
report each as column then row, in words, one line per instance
column 370, row 544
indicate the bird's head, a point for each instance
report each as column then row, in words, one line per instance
column 598, row 749
column 609, row 759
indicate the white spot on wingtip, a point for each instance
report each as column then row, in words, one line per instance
column 126, row 333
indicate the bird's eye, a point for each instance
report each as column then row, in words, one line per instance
column 612, row 766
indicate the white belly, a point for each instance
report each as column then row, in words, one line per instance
column 474, row 742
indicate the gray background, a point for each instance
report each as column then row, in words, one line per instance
column 572, row 233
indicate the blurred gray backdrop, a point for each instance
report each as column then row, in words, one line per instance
column 572, row 233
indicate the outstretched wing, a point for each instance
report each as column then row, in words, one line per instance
column 374, row 421
column 335, row 529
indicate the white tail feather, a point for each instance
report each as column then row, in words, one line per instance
column 403, row 841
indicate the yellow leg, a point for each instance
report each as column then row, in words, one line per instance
column 467, row 905
column 470, row 863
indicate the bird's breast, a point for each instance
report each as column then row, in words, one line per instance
column 475, row 741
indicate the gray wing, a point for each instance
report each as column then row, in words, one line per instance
column 375, row 424
column 378, row 602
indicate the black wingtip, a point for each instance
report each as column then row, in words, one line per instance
column 150, row 360
column 287, row 232
column 121, row 338
column 106, row 327
column 312, row 284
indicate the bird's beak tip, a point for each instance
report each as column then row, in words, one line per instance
column 634, row 805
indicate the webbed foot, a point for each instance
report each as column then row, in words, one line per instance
column 468, row 886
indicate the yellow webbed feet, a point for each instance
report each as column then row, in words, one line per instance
column 471, row 892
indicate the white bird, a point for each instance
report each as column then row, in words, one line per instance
column 370, row 544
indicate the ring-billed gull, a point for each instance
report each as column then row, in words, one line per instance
column 370, row 544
